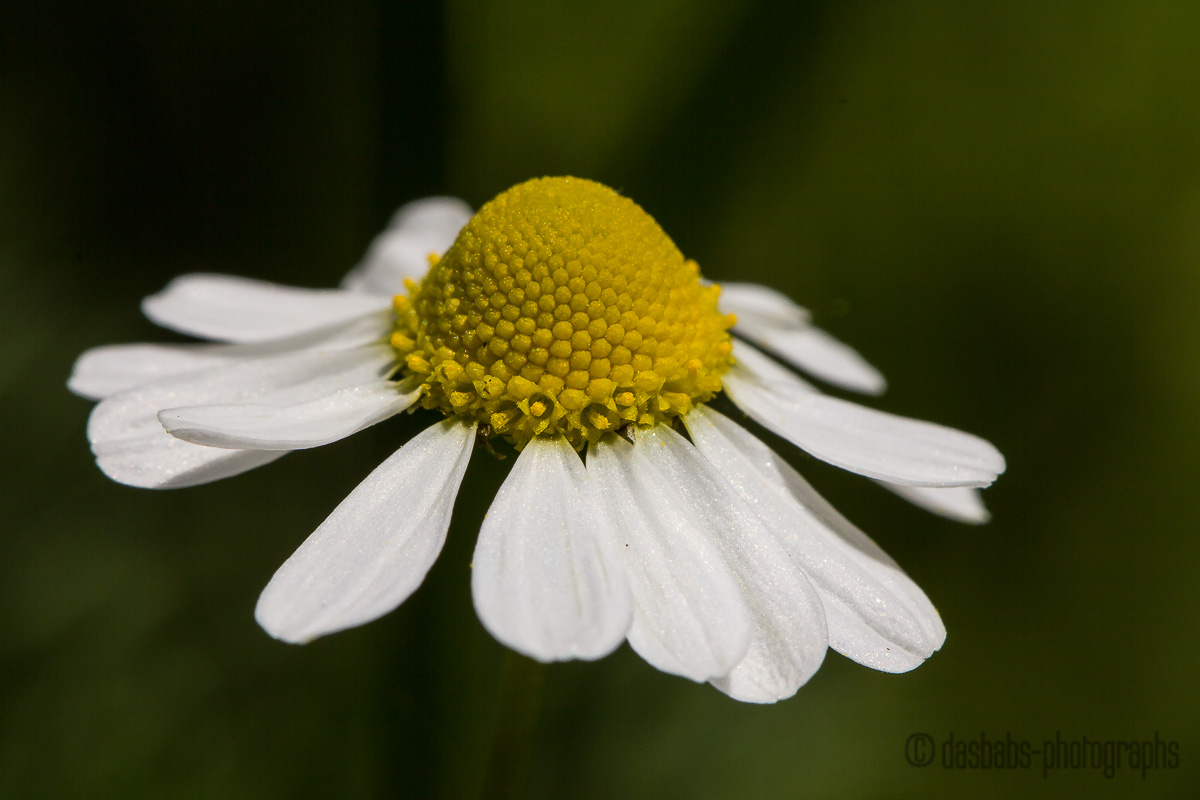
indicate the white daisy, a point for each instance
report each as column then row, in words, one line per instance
column 562, row 319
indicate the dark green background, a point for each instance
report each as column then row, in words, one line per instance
column 997, row 203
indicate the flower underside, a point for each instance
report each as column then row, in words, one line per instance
column 562, row 308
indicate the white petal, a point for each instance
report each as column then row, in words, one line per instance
column 402, row 250
column 546, row 578
column 817, row 353
column 872, row 443
column 767, row 370
column 960, row 504
column 875, row 613
column 340, row 401
column 104, row 371
column 131, row 452
column 132, row 447
column 297, row 426
column 232, row 309
column 376, row 547
column 788, row 638
column 752, row 302
column 690, row 618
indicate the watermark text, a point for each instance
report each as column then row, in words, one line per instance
column 1062, row 753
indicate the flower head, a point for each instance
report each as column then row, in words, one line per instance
column 563, row 309
column 561, row 318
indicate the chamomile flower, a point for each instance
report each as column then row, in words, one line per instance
column 562, row 319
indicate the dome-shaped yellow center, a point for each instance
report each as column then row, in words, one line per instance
column 563, row 308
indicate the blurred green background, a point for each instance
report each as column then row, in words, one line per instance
column 998, row 204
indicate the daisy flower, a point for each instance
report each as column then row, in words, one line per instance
column 563, row 320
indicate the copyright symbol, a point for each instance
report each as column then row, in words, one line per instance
column 918, row 750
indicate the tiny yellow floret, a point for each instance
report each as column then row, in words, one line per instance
column 562, row 308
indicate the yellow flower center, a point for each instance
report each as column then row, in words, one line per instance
column 563, row 308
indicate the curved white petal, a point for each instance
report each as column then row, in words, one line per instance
column 767, row 370
column 689, row 616
column 402, row 250
column 132, row 447
column 374, row 550
column 296, row 426
column 788, row 638
column 232, row 309
column 872, row 443
column 160, row 461
column 545, row 578
column 817, row 353
column 960, row 504
column 104, row 371
column 752, row 302
column 875, row 613
column 348, row 394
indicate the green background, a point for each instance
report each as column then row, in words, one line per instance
column 997, row 203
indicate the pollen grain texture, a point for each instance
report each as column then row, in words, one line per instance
column 562, row 308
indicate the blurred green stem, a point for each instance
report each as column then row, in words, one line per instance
column 521, row 684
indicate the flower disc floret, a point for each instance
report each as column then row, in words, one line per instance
column 563, row 308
